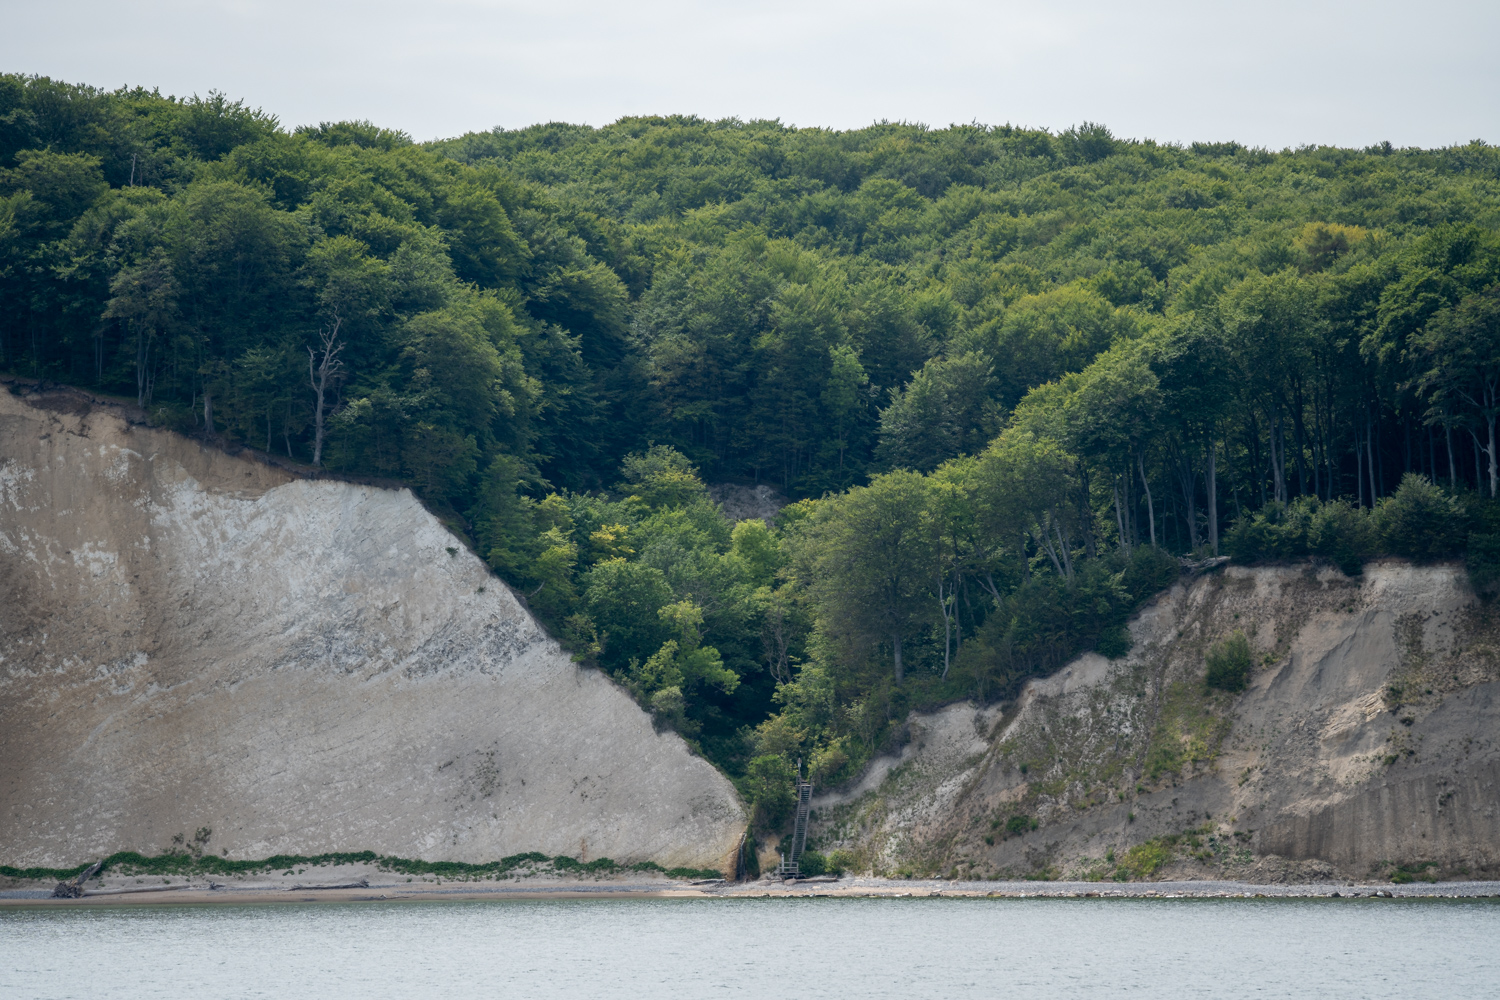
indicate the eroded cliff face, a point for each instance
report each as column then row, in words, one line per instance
column 1366, row 744
column 190, row 640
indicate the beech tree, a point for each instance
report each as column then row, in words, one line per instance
column 869, row 562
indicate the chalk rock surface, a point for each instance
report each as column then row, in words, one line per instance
column 191, row 641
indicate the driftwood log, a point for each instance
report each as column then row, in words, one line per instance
column 140, row 888
column 363, row 883
column 73, row 888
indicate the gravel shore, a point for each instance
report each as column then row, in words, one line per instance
column 392, row 889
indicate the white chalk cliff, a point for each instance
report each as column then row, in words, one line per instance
column 194, row 640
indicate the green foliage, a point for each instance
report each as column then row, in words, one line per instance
column 812, row 863
column 1422, row 522
column 1144, row 860
column 1229, row 664
column 185, row 863
column 947, row 409
column 1420, row 871
column 1114, row 642
column 1482, row 560
column 1337, row 531
column 1020, row 824
column 662, row 478
column 841, row 861
column 768, row 784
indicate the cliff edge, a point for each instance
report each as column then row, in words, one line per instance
column 197, row 644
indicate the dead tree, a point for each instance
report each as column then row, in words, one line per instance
column 322, row 373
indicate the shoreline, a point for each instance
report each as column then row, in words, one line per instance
column 847, row 888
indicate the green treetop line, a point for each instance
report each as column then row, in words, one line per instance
column 1007, row 376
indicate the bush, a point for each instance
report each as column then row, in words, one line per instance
column 669, row 710
column 1421, row 521
column 1341, row 533
column 1483, row 563
column 1020, row 824
column 812, row 863
column 1148, row 572
column 1143, row 860
column 1115, row 642
column 1337, row 531
column 1276, row 531
column 842, row 861
column 1229, row 663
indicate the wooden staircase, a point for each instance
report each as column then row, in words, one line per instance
column 790, row 866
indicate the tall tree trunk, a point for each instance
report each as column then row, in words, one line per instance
column 1406, row 457
column 1379, row 460
column 1359, row 466
column 1278, row 456
column 947, row 625
column 1316, row 445
column 1494, row 471
column 1299, row 431
column 896, row 648
column 1448, row 445
column 1065, row 546
column 1213, row 494
column 960, row 585
column 1187, row 478
column 321, row 376
column 1370, row 462
column 1044, row 539
column 1120, row 520
column 1328, row 456
column 1140, row 462
column 1085, row 512
column 142, row 355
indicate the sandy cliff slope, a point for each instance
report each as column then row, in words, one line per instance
column 196, row 642
column 1367, row 744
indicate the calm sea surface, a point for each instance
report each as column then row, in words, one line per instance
column 787, row 948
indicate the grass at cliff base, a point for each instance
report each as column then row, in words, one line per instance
column 535, row 862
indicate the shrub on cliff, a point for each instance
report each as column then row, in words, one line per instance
column 1229, row 664
column 1019, row 825
column 1482, row 560
column 1341, row 533
column 1422, row 521
column 1336, row 530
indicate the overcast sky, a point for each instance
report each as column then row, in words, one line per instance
column 1269, row 73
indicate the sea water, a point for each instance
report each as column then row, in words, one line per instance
column 781, row 948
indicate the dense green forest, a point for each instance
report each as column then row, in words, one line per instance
column 1008, row 378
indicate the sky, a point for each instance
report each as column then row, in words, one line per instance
column 1270, row 73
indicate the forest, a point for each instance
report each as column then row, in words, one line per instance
column 1009, row 380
